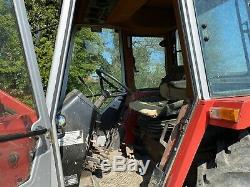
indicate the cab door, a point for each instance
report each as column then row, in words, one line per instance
column 26, row 151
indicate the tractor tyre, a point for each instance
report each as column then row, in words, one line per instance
column 230, row 167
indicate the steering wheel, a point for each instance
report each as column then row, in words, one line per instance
column 120, row 88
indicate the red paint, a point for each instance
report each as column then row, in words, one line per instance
column 130, row 122
column 242, row 103
column 17, row 106
column 16, row 155
column 16, row 171
column 131, row 117
column 196, row 129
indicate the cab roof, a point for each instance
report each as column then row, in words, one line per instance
column 139, row 17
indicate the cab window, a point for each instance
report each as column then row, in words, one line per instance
column 93, row 50
column 224, row 34
column 149, row 59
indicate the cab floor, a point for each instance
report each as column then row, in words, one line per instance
column 114, row 178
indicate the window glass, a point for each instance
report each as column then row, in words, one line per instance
column 149, row 59
column 225, row 37
column 94, row 50
column 17, row 107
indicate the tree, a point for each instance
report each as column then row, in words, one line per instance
column 149, row 70
column 113, row 67
column 43, row 16
column 14, row 78
column 85, row 61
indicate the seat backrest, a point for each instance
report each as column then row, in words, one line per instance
column 173, row 90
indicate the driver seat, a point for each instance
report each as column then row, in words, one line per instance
column 172, row 94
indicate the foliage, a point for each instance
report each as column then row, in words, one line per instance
column 14, row 77
column 149, row 70
column 85, row 62
column 114, row 66
column 87, row 58
column 43, row 16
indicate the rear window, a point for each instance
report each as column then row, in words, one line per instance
column 149, row 59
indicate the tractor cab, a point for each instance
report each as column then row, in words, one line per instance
column 141, row 93
column 142, row 69
column 126, row 85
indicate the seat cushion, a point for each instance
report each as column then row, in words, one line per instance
column 146, row 108
column 156, row 109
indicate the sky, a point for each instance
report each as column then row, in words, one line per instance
column 223, row 53
column 157, row 56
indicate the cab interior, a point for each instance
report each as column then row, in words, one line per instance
column 135, row 110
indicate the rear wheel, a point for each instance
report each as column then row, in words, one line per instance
column 225, row 161
column 231, row 165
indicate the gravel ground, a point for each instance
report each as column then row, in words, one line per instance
column 114, row 178
column 121, row 179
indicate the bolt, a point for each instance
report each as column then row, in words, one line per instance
column 206, row 38
column 13, row 159
column 204, row 26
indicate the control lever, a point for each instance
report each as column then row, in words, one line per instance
column 83, row 82
column 98, row 103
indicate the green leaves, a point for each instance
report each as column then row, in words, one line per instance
column 14, row 78
column 84, row 62
column 43, row 17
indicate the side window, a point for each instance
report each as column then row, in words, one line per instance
column 149, row 59
column 93, row 50
column 224, row 34
column 17, row 107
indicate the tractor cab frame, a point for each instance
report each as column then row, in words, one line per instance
column 193, row 126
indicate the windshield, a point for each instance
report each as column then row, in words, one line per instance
column 225, row 38
column 94, row 50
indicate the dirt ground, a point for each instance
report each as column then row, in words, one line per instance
column 121, row 179
column 115, row 179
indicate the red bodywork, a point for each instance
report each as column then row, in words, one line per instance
column 15, row 156
column 131, row 116
column 196, row 129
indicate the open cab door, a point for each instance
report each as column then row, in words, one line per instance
column 26, row 152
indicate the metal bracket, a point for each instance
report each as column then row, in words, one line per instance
column 163, row 134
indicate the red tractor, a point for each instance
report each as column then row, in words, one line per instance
column 162, row 97
column 16, row 119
